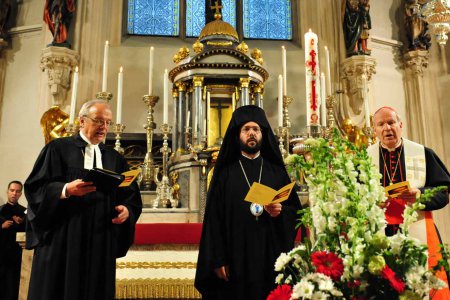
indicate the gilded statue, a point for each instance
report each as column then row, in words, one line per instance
column 354, row 134
column 53, row 123
column 58, row 15
column 175, row 188
column 5, row 15
column 416, row 28
column 357, row 24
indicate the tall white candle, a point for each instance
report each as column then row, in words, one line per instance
column 323, row 108
column 366, row 100
column 327, row 60
column 119, row 96
column 73, row 102
column 187, row 118
column 280, row 101
column 166, row 98
column 312, row 78
column 150, row 72
column 283, row 66
column 105, row 67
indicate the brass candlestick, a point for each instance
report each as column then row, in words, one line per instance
column 287, row 100
column 118, row 130
column 281, row 133
column 368, row 132
column 71, row 129
column 104, row 96
column 148, row 167
column 330, row 103
column 163, row 188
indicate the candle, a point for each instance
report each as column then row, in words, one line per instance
column 366, row 100
column 323, row 108
column 73, row 102
column 187, row 118
column 105, row 67
column 312, row 78
column 150, row 72
column 119, row 96
column 280, row 101
column 283, row 66
column 166, row 97
column 327, row 60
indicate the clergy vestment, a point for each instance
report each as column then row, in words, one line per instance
column 232, row 236
column 424, row 170
column 10, row 251
column 75, row 242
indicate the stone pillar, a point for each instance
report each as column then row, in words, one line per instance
column 415, row 64
column 181, row 116
column 59, row 63
column 258, row 91
column 352, row 70
column 197, row 129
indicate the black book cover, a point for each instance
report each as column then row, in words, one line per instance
column 104, row 180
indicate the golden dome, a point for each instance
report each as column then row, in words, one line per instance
column 218, row 27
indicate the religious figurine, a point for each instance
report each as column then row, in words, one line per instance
column 53, row 123
column 357, row 24
column 354, row 134
column 416, row 28
column 5, row 14
column 58, row 15
column 175, row 201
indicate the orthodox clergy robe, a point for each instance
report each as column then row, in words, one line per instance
column 75, row 242
column 10, row 251
column 232, row 236
column 424, row 170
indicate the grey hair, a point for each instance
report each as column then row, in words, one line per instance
column 87, row 105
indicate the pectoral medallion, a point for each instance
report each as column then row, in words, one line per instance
column 256, row 210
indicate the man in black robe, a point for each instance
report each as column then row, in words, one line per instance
column 400, row 160
column 240, row 241
column 77, row 231
column 11, row 221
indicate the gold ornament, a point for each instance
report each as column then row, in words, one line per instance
column 242, row 47
column 198, row 47
column 257, row 55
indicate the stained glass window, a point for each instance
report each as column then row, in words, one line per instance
column 153, row 17
column 267, row 19
column 195, row 15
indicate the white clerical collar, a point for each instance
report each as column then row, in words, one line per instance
column 256, row 156
column 399, row 143
column 89, row 154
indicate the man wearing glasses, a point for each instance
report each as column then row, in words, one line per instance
column 77, row 231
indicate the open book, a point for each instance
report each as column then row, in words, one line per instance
column 262, row 194
column 106, row 180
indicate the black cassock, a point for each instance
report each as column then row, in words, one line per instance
column 233, row 236
column 75, row 242
column 10, row 251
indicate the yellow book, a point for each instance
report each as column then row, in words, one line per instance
column 130, row 176
column 264, row 195
column 396, row 189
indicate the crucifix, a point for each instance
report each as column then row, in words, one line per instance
column 216, row 7
column 219, row 108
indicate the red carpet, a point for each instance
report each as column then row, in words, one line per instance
column 167, row 233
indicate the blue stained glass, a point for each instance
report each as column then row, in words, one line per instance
column 267, row 19
column 195, row 15
column 153, row 17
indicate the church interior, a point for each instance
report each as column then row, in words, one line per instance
column 173, row 94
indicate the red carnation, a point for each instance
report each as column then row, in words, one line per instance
column 282, row 292
column 328, row 264
column 395, row 282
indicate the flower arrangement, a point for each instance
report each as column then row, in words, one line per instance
column 351, row 257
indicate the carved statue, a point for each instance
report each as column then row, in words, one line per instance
column 175, row 188
column 58, row 15
column 357, row 24
column 5, row 13
column 354, row 134
column 416, row 28
column 53, row 123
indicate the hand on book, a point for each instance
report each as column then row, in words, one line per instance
column 122, row 216
column 79, row 188
column 410, row 195
column 273, row 209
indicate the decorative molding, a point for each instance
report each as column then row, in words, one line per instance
column 59, row 63
column 417, row 61
column 156, row 265
column 25, row 29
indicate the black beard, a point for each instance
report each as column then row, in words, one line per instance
column 249, row 149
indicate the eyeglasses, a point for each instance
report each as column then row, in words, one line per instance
column 100, row 122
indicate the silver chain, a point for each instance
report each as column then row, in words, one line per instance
column 260, row 172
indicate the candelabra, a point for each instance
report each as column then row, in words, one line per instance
column 163, row 188
column 71, row 129
column 368, row 132
column 281, row 133
column 286, row 122
column 149, row 169
column 330, row 104
column 118, row 130
column 104, row 96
